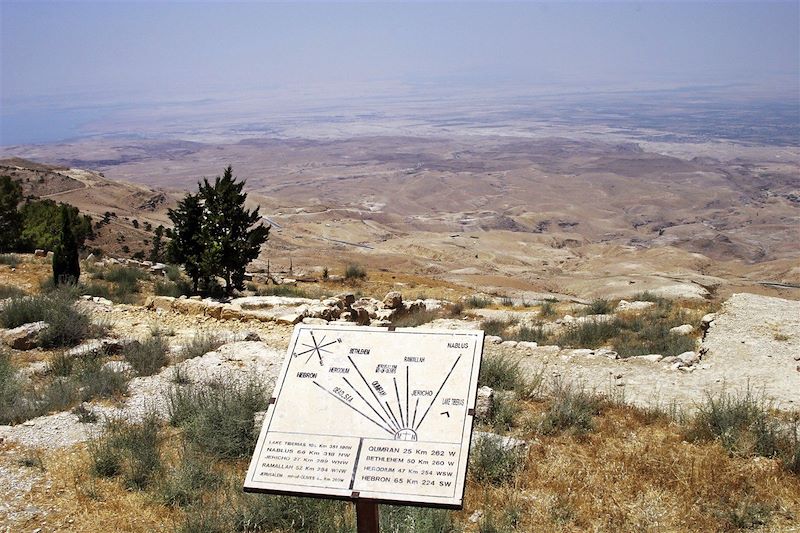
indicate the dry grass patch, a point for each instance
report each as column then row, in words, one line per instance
column 635, row 472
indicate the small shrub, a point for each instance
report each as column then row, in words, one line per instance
column 218, row 417
column 547, row 309
column 175, row 289
column 57, row 396
column 124, row 275
column 740, row 423
column 495, row 327
column 24, row 310
column 500, row 372
column 477, row 302
column 9, row 291
column 588, row 334
column 11, row 260
column 10, row 389
column 97, row 381
column 599, row 306
column 410, row 320
column 535, row 333
column 129, row 449
column 173, row 272
column 282, row 290
column 456, row 310
column 186, row 483
column 125, row 280
column 401, row 519
column 355, row 272
column 198, row 346
column 504, row 413
column 101, row 290
column 648, row 296
column 493, row 463
column 572, row 410
column 746, row 514
column 505, row 301
column 68, row 324
column 149, row 356
column 84, row 414
column 283, row 513
column 61, row 365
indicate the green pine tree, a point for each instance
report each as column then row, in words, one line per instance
column 231, row 240
column 187, row 247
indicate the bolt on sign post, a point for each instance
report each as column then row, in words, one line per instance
column 373, row 416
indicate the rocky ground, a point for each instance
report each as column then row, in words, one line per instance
column 751, row 342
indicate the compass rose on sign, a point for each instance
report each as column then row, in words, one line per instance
column 316, row 348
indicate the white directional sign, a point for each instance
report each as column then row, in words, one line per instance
column 371, row 413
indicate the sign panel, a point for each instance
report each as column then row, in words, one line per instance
column 371, row 413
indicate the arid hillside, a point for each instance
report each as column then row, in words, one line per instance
column 501, row 213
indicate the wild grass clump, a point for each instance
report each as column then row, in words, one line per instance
column 648, row 296
column 175, row 289
column 355, row 272
column 125, row 281
column 533, row 333
column 10, row 388
column 149, row 356
column 186, row 483
column 198, row 346
column 61, row 365
column 20, row 400
column 492, row 462
column 11, row 260
column 24, row 310
column 477, row 302
column 172, row 272
column 218, row 417
column 9, row 291
column 598, row 306
column 283, row 513
column 67, row 324
column 495, row 327
column 401, row 519
column 633, row 334
column 291, row 291
column 129, row 450
column 84, row 414
column 500, row 372
column 742, row 424
column 410, row 320
column 588, row 334
column 547, row 309
column 504, row 413
column 653, row 338
column 98, row 381
column 572, row 410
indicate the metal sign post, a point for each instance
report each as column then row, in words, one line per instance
column 371, row 415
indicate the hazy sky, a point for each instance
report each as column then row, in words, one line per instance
column 137, row 50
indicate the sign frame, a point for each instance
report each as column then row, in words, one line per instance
column 456, row 502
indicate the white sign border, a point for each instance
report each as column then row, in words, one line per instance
column 252, row 486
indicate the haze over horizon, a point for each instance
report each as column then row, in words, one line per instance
column 73, row 68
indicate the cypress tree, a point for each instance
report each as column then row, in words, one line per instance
column 66, row 264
